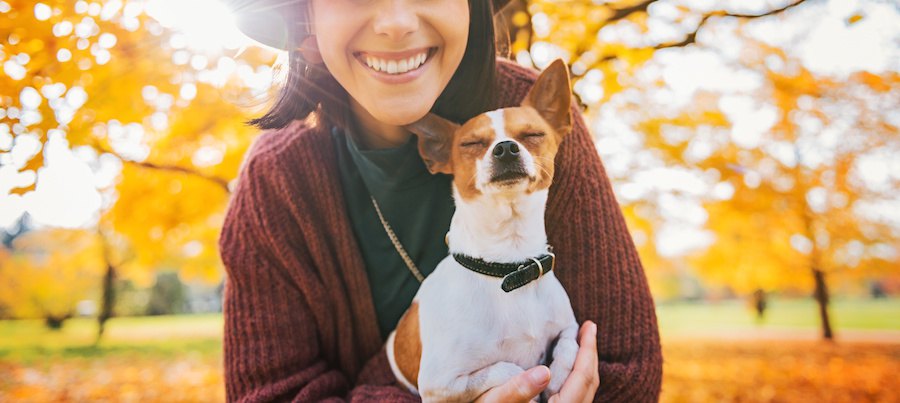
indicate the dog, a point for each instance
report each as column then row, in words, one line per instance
column 493, row 308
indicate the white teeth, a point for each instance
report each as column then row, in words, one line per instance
column 396, row 66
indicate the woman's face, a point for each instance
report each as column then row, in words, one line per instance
column 394, row 57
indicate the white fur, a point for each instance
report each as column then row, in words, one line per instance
column 498, row 123
column 474, row 335
column 482, row 165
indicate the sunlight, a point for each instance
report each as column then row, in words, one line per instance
column 206, row 25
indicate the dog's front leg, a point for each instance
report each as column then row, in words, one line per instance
column 563, row 359
column 447, row 387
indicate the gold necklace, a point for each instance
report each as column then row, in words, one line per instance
column 390, row 232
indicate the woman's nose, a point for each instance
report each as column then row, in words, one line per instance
column 395, row 19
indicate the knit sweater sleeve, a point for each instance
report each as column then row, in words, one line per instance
column 272, row 349
column 600, row 269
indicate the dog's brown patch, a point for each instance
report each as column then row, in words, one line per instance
column 476, row 131
column 408, row 345
column 526, row 126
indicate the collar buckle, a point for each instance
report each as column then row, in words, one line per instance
column 521, row 268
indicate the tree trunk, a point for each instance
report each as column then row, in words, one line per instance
column 54, row 322
column 821, row 295
column 109, row 298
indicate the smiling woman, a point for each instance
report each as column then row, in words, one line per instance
column 336, row 218
column 288, row 25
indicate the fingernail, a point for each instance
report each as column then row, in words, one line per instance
column 594, row 328
column 539, row 375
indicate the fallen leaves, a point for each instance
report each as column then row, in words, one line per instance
column 780, row 371
column 189, row 378
column 694, row 371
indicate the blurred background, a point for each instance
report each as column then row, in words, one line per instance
column 752, row 145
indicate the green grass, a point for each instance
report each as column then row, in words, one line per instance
column 27, row 341
column 846, row 314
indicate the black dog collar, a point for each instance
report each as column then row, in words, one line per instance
column 514, row 275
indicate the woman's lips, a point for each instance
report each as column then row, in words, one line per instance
column 396, row 67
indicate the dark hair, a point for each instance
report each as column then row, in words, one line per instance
column 311, row 89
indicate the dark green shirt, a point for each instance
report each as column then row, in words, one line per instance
column 416, row 204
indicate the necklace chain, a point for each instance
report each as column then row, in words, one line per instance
column 390, row 233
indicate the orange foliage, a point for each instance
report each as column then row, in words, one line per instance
column 694, row 371
column 120, row 83
column 184, row 379
column 703, row 371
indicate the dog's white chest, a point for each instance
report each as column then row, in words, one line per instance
column 469, row 313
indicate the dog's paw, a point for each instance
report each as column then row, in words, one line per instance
column 563, row 361
column 502, row 372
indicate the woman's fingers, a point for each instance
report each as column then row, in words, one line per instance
column 521, row 388
column 582, row 383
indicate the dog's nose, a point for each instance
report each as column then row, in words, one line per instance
column 506, row 151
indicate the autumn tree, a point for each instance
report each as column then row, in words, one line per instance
column 47, row 272
column 110, row 80
column 782, row 213
column 803, row 199
column 810, row 192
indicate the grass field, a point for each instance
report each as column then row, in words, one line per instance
column 856, row 317
column 29, row 341
column 178, row 358
column 157, row 359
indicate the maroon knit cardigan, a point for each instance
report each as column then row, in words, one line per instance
column 299, row 319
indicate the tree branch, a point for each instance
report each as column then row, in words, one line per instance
column 622, row 13
column 692, row 37
column 173, row 168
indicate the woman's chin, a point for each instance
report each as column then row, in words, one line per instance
column 400, row 115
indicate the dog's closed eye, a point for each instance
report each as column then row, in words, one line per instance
column 473, row 143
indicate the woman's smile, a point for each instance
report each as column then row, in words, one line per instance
column 396, row 67
column 394, row 58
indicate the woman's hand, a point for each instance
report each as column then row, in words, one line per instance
column 582, row 383
column 580, row 386
column 521, row 388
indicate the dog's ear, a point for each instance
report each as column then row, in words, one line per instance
column 435, row 141
column 551, row 96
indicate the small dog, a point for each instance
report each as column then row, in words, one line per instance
column 493, row 308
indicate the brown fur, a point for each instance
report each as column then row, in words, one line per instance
column 463, row 158
column 546, row 109
column 408, row 345
column 523, row 121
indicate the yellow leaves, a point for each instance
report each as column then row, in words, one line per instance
column 662, row 273
column 763, row 371
column 50, row 270
column 21, row 191
column 166, row 214
column 520, row 19
column 752, row 248
column 35, row 163
column 878, row 83
column 853, row 19
column 187, row 378
column 655, row 129
column 171, row 220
